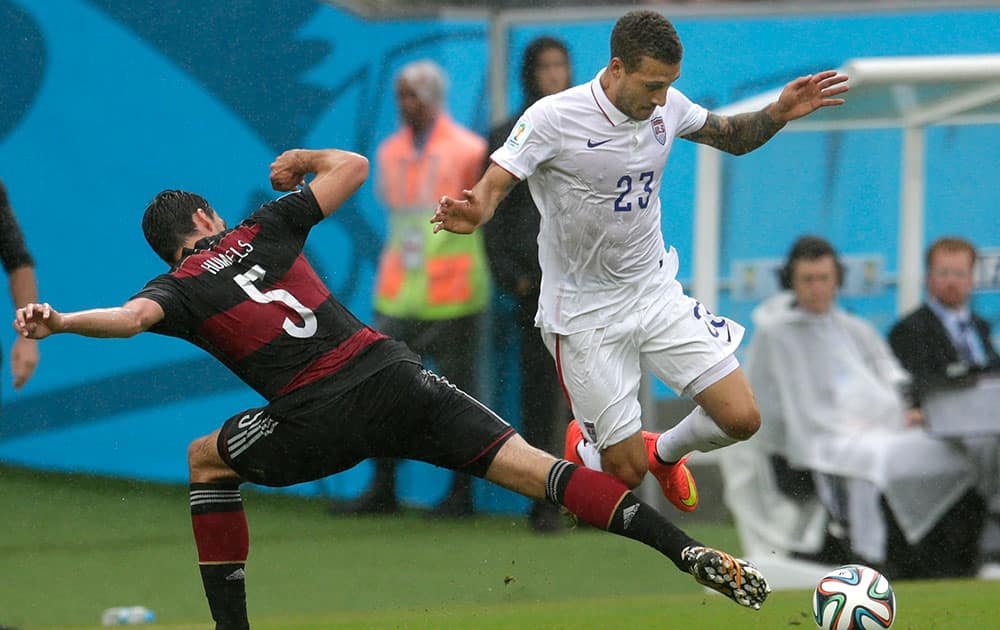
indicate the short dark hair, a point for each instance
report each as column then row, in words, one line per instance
column 950, row 244
column 809, row 248
column 639, row 34
column 167, row 222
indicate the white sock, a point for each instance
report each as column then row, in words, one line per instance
column 589, row 454
column 696, row 432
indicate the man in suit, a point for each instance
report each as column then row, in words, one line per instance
column 944, row 340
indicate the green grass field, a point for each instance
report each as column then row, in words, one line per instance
column 71, row 546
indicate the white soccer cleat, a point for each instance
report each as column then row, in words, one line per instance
column 737, row 579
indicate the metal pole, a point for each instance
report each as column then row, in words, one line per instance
column 707, row 210
column 911, row 218
column 499, row 27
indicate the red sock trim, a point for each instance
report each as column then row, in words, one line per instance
column 221, row 536
column 594, row 496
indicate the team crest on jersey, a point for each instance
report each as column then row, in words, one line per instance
column 659, row 129
column 520, row 133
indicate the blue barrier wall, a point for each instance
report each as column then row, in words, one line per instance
column 106, row 102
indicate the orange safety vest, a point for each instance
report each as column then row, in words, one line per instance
column 423, row 275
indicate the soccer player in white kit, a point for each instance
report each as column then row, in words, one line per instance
column 610, row 304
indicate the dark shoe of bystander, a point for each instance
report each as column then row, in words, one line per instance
column 368, row 503
column 546, row 517
column 458, row 504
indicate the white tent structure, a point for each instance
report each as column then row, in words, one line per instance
column 908, row 93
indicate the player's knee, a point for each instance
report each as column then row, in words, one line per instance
column 204, row 462
column 629, row 473
column 742, row 421
column 196, row 454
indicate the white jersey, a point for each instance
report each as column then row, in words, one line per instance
column 595, row 176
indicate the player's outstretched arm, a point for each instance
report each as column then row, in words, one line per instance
column 24, row 352
column 463, row 216
column 37, row 321
column 338, row 174
column 743, row 133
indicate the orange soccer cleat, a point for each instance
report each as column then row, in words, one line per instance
column 573, row 438
column 675, row 480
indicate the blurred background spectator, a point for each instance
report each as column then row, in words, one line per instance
column 945, row 344
column 944, row 339
column 836, row 440
column 431, row 289
column 20, row 268
column 512, row 246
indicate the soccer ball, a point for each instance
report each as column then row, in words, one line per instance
column 854, row 597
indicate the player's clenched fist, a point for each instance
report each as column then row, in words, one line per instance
column 287, row 171
column 37, row 321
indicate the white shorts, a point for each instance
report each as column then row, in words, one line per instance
column 672, row 335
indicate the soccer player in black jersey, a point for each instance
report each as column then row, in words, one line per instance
column 338, row 391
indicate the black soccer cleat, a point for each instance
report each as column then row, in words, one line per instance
column 737, row 579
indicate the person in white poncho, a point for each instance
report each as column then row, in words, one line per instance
column 830, row 394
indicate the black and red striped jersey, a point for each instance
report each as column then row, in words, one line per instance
column 250, row 298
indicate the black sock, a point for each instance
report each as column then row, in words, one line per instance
column 605, row 502
column 225, row 587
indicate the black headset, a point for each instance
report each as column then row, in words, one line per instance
column 809, row 248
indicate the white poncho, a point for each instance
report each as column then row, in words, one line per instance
column 828, row 390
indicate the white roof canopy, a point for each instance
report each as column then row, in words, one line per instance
column 909, row 93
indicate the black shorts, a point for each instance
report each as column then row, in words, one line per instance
column 402, row 411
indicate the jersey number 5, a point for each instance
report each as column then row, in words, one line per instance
column 308, row 327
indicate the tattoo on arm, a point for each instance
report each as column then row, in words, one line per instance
column 737, row 134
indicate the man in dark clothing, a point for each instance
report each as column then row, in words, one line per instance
column 338, row 391
column 944, row 343
column 512, row 247
column 944, row 340
column 20, row 268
